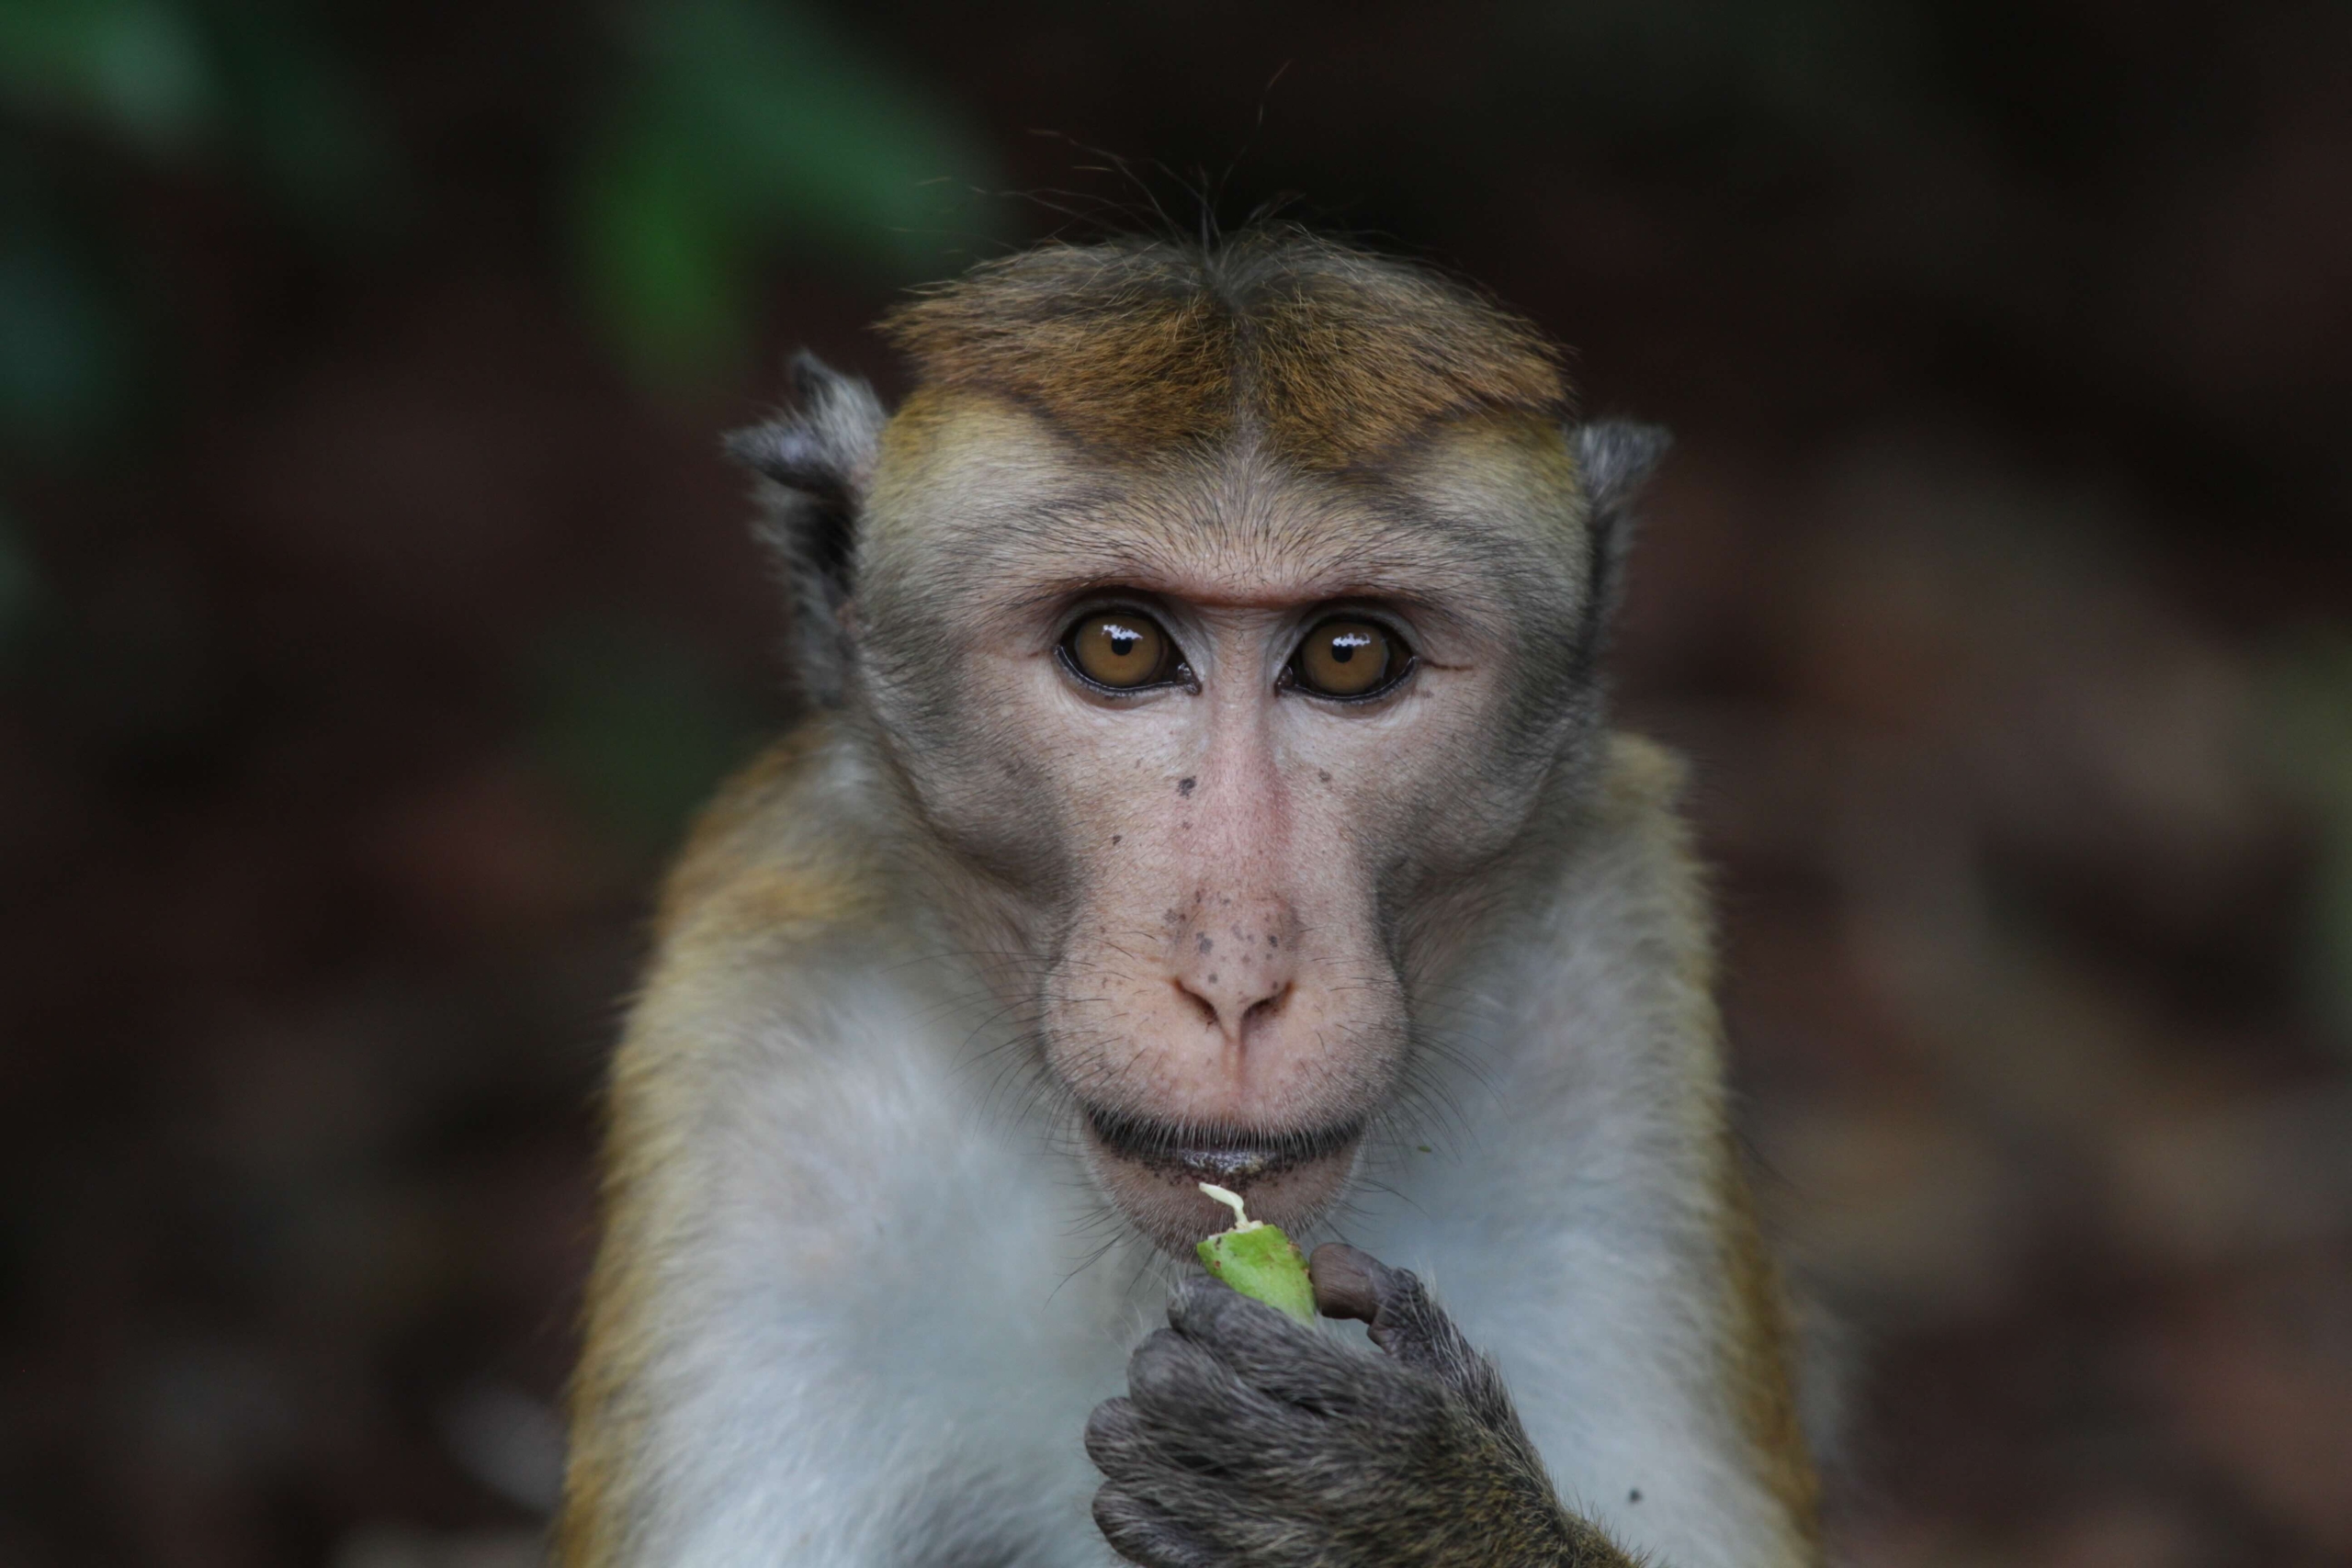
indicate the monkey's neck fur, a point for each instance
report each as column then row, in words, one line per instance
column 858, row 1293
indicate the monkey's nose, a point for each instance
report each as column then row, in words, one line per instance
column 1235, row 967
column 1236, row 997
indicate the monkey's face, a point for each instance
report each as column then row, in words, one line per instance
column 1212, row 747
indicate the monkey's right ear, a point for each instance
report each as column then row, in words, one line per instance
column 815, row 462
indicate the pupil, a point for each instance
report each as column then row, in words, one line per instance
column 1123, row 640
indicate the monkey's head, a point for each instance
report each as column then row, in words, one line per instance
column 1219, row 615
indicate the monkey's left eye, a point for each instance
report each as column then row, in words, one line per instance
column 1348, row 658
column 1121, row 649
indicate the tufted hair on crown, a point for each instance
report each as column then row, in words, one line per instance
column 1331, row 355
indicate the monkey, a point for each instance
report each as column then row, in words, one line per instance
column 1206, row 776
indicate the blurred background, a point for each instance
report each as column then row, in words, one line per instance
column 375, row 606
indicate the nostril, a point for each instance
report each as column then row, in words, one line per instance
column 1266, row 1009
column 1201, row 1004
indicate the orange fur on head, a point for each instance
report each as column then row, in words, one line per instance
column 1332, row 355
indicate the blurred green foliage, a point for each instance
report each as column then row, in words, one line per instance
column 259, row 91
column 300, row 121
column 262, row 86
column 135, row 68
column 695, row 142
column 747, row 128
column 720, row 133
column 67, row 355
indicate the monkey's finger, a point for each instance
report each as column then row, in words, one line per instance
column 1201, row 1419
column 1349, row 1281
column 1184, row 1467
column 1180, row 1385
column 1272, row 1354
column 1406, row 1323
column 1203, row 1305
column 1115, row 1439
column 1141, row 1533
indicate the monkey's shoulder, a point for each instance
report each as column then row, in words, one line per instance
column 1642, row 782
column 778, row 854
column 772, row 915
column 1634, row 858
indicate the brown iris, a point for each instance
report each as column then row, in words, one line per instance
column 1121, row 649
column 1348, row 658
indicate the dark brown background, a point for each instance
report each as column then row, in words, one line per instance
column 374, row 605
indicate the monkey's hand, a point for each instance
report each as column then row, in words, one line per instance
column 1250, row 1439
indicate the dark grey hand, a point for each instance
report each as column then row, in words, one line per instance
column 1249, row 1438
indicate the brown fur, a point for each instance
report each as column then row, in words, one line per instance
column 1761, row 1361
column 1333, row 356
column 1641, row 797
column 757, row 871
column 746, row 870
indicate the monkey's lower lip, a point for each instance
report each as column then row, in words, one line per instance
column 1229, row 1158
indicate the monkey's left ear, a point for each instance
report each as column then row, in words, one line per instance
column 1615, row 457
column 815, row 462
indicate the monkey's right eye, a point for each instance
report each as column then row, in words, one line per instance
column 1121, row 649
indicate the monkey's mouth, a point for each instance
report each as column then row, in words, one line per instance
column 1153, row 1170
column 1229, row 1156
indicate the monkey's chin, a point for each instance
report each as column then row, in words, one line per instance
column 1153, row 1173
